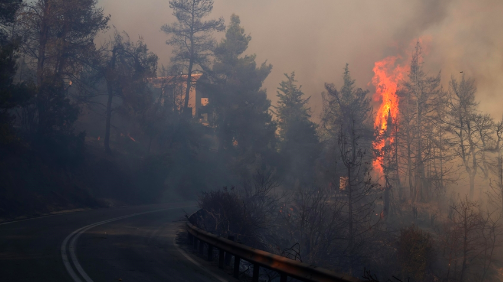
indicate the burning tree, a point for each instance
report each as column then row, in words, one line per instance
column 407, row 122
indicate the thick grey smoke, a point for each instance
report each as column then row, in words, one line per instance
column 316, row 38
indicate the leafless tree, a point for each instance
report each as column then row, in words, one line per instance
column 496, row 166
column 468, row 127
column 469, row 242
column 420, row 96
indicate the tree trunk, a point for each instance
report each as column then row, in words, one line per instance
column 441, row 163
column 42, row 44
column 398, row 184
column 191, row 63
column 187, row 90
column 472, row 184
column 44, row 30
column 409, row 168
column 419, row 153
column 350, row 196
column 108, row 117
column 500, row 176
column 110, row 80
column 465, row 244
column 386, row 199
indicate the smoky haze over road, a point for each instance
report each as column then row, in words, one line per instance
column 138, row 248
column 316, row 38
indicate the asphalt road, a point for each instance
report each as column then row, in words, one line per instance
column 119, row 244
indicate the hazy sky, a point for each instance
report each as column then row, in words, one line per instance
column 316, row 38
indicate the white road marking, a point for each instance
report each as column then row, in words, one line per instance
column 67, row 261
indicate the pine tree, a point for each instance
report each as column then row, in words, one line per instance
column 346, row 116
column 242, row 119
column 191, row 36
column 298, row 139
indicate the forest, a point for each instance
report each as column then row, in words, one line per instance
column 404, row 184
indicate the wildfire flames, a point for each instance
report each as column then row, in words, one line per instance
column 387, row 75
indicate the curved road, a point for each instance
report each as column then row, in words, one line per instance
column 117, row 244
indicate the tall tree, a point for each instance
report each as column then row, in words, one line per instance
column 191, row 36
column 127, row 68
column 347, row 112
column 496, row 165
column 421, row 95
column 461, row 121
column 58, row 40
column 298, row 138
column 242, row 119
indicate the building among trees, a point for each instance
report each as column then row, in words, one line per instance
column 171, row 90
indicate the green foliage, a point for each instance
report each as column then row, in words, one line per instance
column 190, row 34
column 346, row 109
column 132, row 65
column 298, row 139
column 415, row 252
column 242, row 119
column 58, row 37
column 234, row 43
column 345, row 130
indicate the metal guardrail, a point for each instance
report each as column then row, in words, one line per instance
column 284, row 266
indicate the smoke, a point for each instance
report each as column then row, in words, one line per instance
column 469, row 40
column 316, row 38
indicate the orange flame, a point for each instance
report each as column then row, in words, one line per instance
column 387, row 75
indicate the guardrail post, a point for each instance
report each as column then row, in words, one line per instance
column 256, row 272
column 210, row 252
column 227, row 255
column 236, row 266
column 283, row 277
column 283, row 266
column 221, row 258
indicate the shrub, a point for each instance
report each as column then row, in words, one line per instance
column 415, row 252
